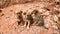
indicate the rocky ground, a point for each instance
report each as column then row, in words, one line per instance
column 49, row 10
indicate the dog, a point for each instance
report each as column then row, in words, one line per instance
column 38, row 19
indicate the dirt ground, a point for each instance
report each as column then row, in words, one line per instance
column 50, row 10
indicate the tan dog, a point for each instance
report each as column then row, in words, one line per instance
column 28, row 20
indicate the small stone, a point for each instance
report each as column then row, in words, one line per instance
column 55, row 18
column 0, row 10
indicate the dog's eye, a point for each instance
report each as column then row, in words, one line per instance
column 29, row 17
column 19, row 17
column 57, row 3
column 19, row 12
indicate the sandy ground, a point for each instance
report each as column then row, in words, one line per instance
column 9, row 24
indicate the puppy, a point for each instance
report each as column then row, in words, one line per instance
column 20, row 18
column 28, row 20
column 38, row 19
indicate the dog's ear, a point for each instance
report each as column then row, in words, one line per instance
column 35, row 11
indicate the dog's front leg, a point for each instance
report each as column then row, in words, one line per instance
column 28, row 26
